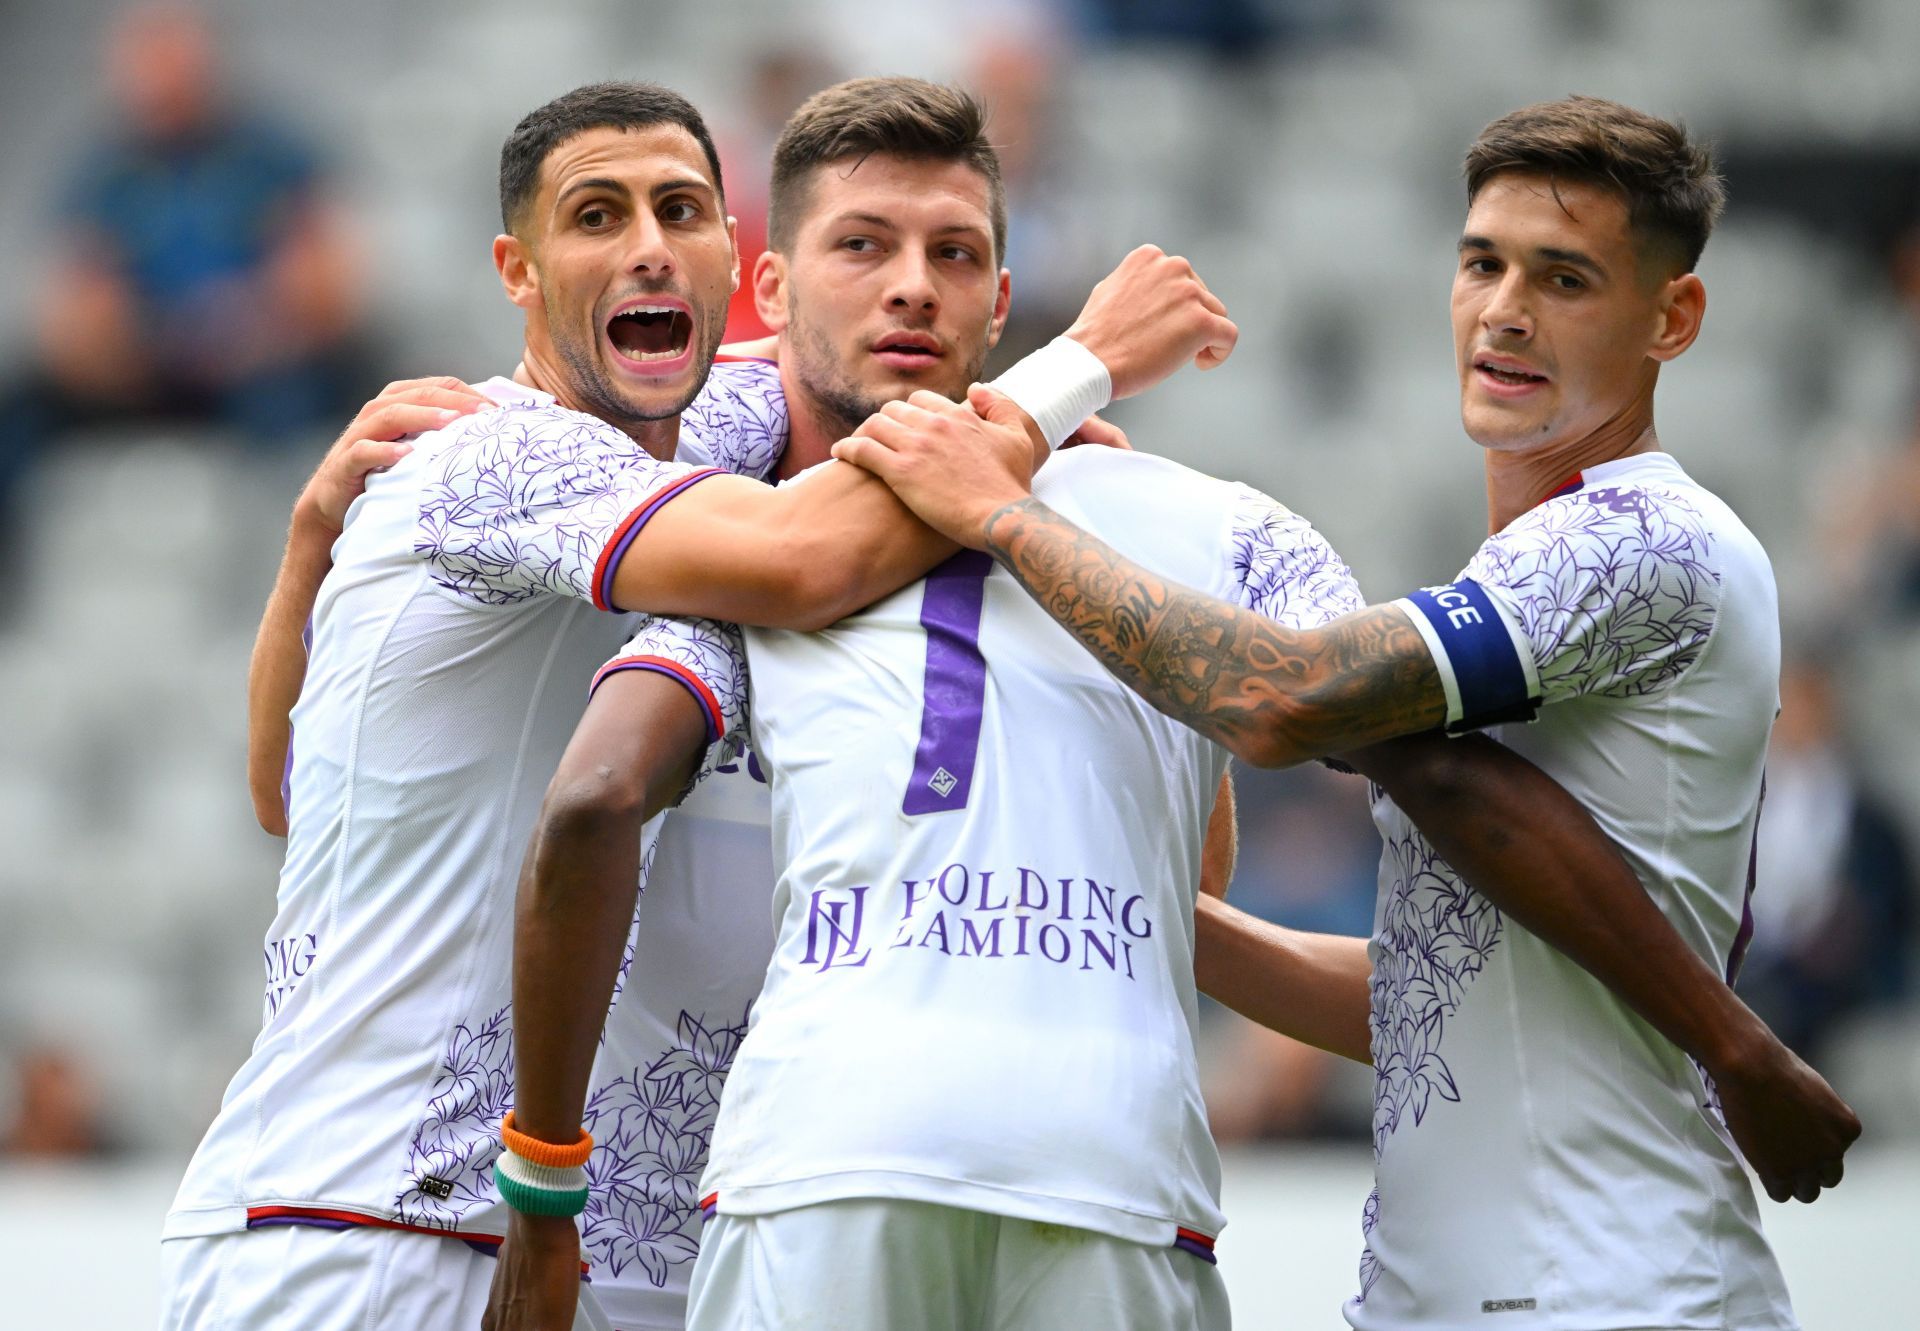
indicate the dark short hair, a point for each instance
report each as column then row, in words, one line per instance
column 1671, row 188
column 899, row 117
column 595, row 106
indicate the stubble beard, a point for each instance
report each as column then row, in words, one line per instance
column 839, row 406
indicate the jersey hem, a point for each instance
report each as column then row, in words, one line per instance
column 1046, row 1208
column 203, row 1222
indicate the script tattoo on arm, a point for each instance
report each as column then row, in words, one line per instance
column 1271, row 694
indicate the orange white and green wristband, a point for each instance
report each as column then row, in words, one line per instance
column 541, row 1178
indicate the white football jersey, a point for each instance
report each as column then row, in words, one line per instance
column 982, row 990
column 453, row 641
column 1541, row 1153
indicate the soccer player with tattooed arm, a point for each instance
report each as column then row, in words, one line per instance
column 1541, row 1150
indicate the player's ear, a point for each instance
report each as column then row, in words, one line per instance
column 518, row 276
column 1682, row 308
column 733, row 248
column 1002, row 305
column 770, row 289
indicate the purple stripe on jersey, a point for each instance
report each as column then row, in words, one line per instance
column 956, row 686
column 1743, row 937
column 309, row 1221
column 1197, row 1248
column 716, row 724
column 619, row 551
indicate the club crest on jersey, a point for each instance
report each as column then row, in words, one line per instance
column 942, row 783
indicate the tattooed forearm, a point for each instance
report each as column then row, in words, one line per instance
column 1271, row 694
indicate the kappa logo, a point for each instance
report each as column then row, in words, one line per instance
column 1508, row 1305
column 943, row 782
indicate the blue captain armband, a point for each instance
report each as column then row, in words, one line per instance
column 1485, row 665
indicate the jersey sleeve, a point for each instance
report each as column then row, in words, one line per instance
column 705, row 658
column 540, row 502
column 1607, row 592
column 738, row 423
column 1283, row 568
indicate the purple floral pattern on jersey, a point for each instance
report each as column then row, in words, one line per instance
column 739, row 421
column 523, row 503
column 1434, row 938
column 708, row 650
column 1614, row 587
column 1369, row 1264
column 651, row 1130
column 713, row 654
column 1285, row 568
column 450, row 1159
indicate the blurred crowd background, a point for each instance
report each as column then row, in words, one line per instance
column 229, row 226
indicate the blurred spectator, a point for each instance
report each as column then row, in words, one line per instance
column 200, row 276
column 1871, row 529
column 1014, row 72
column 782, row 78
column 55, row 1108
column 1833, row 904
column 1237, row 30
column 1309, row 859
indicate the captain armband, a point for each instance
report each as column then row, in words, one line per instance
column 1486, row 665
column 1059, row 386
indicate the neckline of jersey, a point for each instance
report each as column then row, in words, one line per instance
column 1613, row 470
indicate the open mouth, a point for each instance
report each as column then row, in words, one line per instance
column 647, row 333
column 1510, row 377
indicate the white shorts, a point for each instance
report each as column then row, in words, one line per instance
column 361, row 1278
column 886, row 1265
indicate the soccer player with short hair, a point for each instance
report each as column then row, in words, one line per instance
column 1584, row 1174
column 898, row 984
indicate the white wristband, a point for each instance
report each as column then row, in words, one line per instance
column 1059, row 385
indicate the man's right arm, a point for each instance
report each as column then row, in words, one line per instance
column 1560, row 878
column 629, row 758
column 675, row 692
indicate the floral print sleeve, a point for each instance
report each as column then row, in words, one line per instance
column 1285, row 569
column 707, row 659
column 539, row 501
column 1609, row 592
column 739, row 421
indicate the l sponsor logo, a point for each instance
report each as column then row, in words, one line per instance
column 834, row 927
column 436, row 1187
column 1508, row 1305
